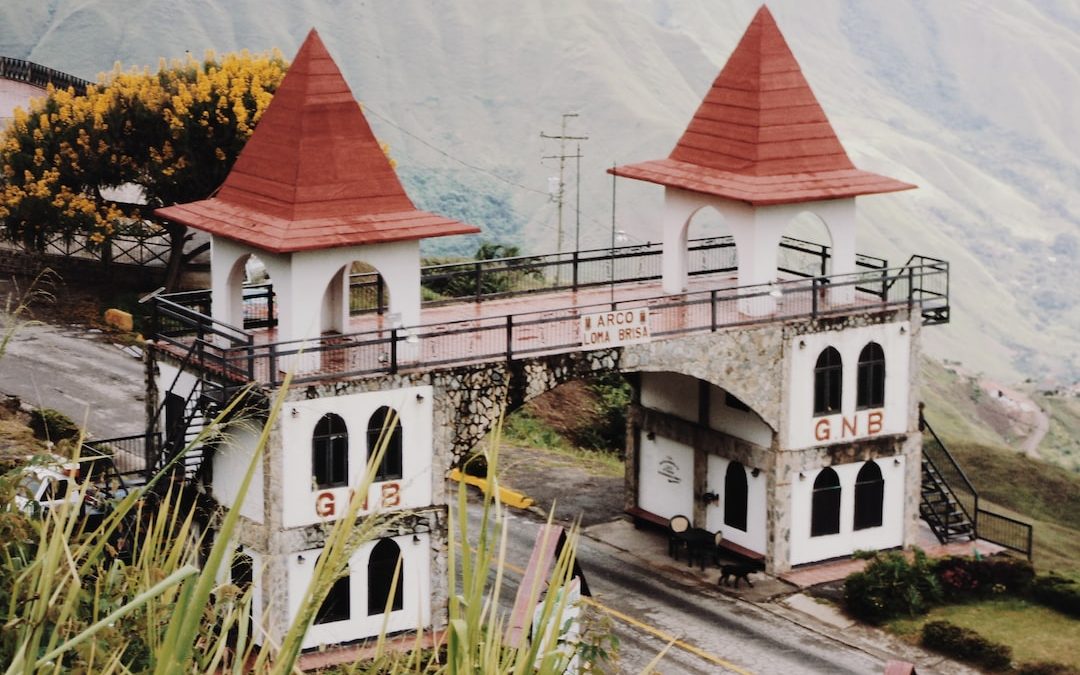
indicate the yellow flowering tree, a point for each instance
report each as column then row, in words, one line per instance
column 174, row 133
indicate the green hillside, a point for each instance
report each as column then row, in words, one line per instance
column 974, row 102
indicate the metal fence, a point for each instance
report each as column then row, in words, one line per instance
column 503, row 277
column 150, row 249
column 40, row 76
column 1004, row 531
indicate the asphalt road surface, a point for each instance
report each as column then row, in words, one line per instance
column 714, row 633
column 92, row 381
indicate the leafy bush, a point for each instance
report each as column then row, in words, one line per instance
column 1057, row 593
column 964, row 578
column 966, row 645
column 52, row 425
column 612, row 401
column 890, row 587
column 1046, row 668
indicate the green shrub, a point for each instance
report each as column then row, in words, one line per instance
column 890, row 587
column 1057, row 593
column 52, row 425
column 964, row 578
column 1046, row 668
column 966, row 645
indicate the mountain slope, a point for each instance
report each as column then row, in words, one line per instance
column 977, row 104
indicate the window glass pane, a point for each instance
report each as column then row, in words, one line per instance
column 386, row 421
column 869, row 497
column 871, row 377
column 735, row 496
column 330, row 452
column 337, row 605
column 825, row 506
column 381, row 565
column 828, row 373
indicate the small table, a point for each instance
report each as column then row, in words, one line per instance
column 699, row 543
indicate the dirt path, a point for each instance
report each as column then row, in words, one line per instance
column 574, row 487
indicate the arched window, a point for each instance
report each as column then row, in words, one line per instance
column 735, row 496
column 869, row 496
column 828, row 386
column 378, row 425
column 825, row 508
column 871, row 389
column 338, row 603
column 380, row 577
column 330, row 452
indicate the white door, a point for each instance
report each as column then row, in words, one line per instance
column 666, row 477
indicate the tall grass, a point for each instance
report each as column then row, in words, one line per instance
column 128, row 595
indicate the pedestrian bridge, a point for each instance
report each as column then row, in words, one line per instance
column 517, row 308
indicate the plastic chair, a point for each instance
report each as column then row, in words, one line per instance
column 676, row 527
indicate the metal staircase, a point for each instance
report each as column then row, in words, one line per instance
column 940, row 508
column 950, row 504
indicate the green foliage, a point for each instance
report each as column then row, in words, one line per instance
column 174, row 134
column 496, row 277
column 966, row 645
column 52, row 425
column 1057, row 593
column 127, row 596
column 891, row 587
column 612, row 401
column 966, row 578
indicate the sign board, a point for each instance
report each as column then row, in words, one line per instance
column 616, row 328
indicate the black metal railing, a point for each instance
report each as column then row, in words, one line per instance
column 503, row 277
column 232, row 351
column 148, row 249
column 481, row 280
column 208, row 344
column 989, row 526
column 129, row 453
column 40, row 76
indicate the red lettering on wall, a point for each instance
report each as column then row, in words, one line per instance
column 822, row 430
column 391, row 494
column 874, row 422
column 849, row 427
column 325, row 505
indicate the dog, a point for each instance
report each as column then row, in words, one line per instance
column 731, row 574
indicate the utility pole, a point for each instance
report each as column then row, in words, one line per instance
column 560, row 194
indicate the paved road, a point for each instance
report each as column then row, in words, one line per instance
column 90, row 380
column 729, row 635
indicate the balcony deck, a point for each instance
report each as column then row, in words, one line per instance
column 541, row 316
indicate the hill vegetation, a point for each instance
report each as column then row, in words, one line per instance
column 973, row 102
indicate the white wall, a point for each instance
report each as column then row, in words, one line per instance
column 754, row 537
column 415, row 582
column 13, row 95
column 671, row 393
column 742, row 424
column 297, row 423
column 805, row 548
column 231, row 460
column 804, row 429
column 665, row 477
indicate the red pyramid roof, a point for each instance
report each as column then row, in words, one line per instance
column 312, row 175
column 760, row 135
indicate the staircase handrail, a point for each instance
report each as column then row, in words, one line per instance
column 925, row 426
